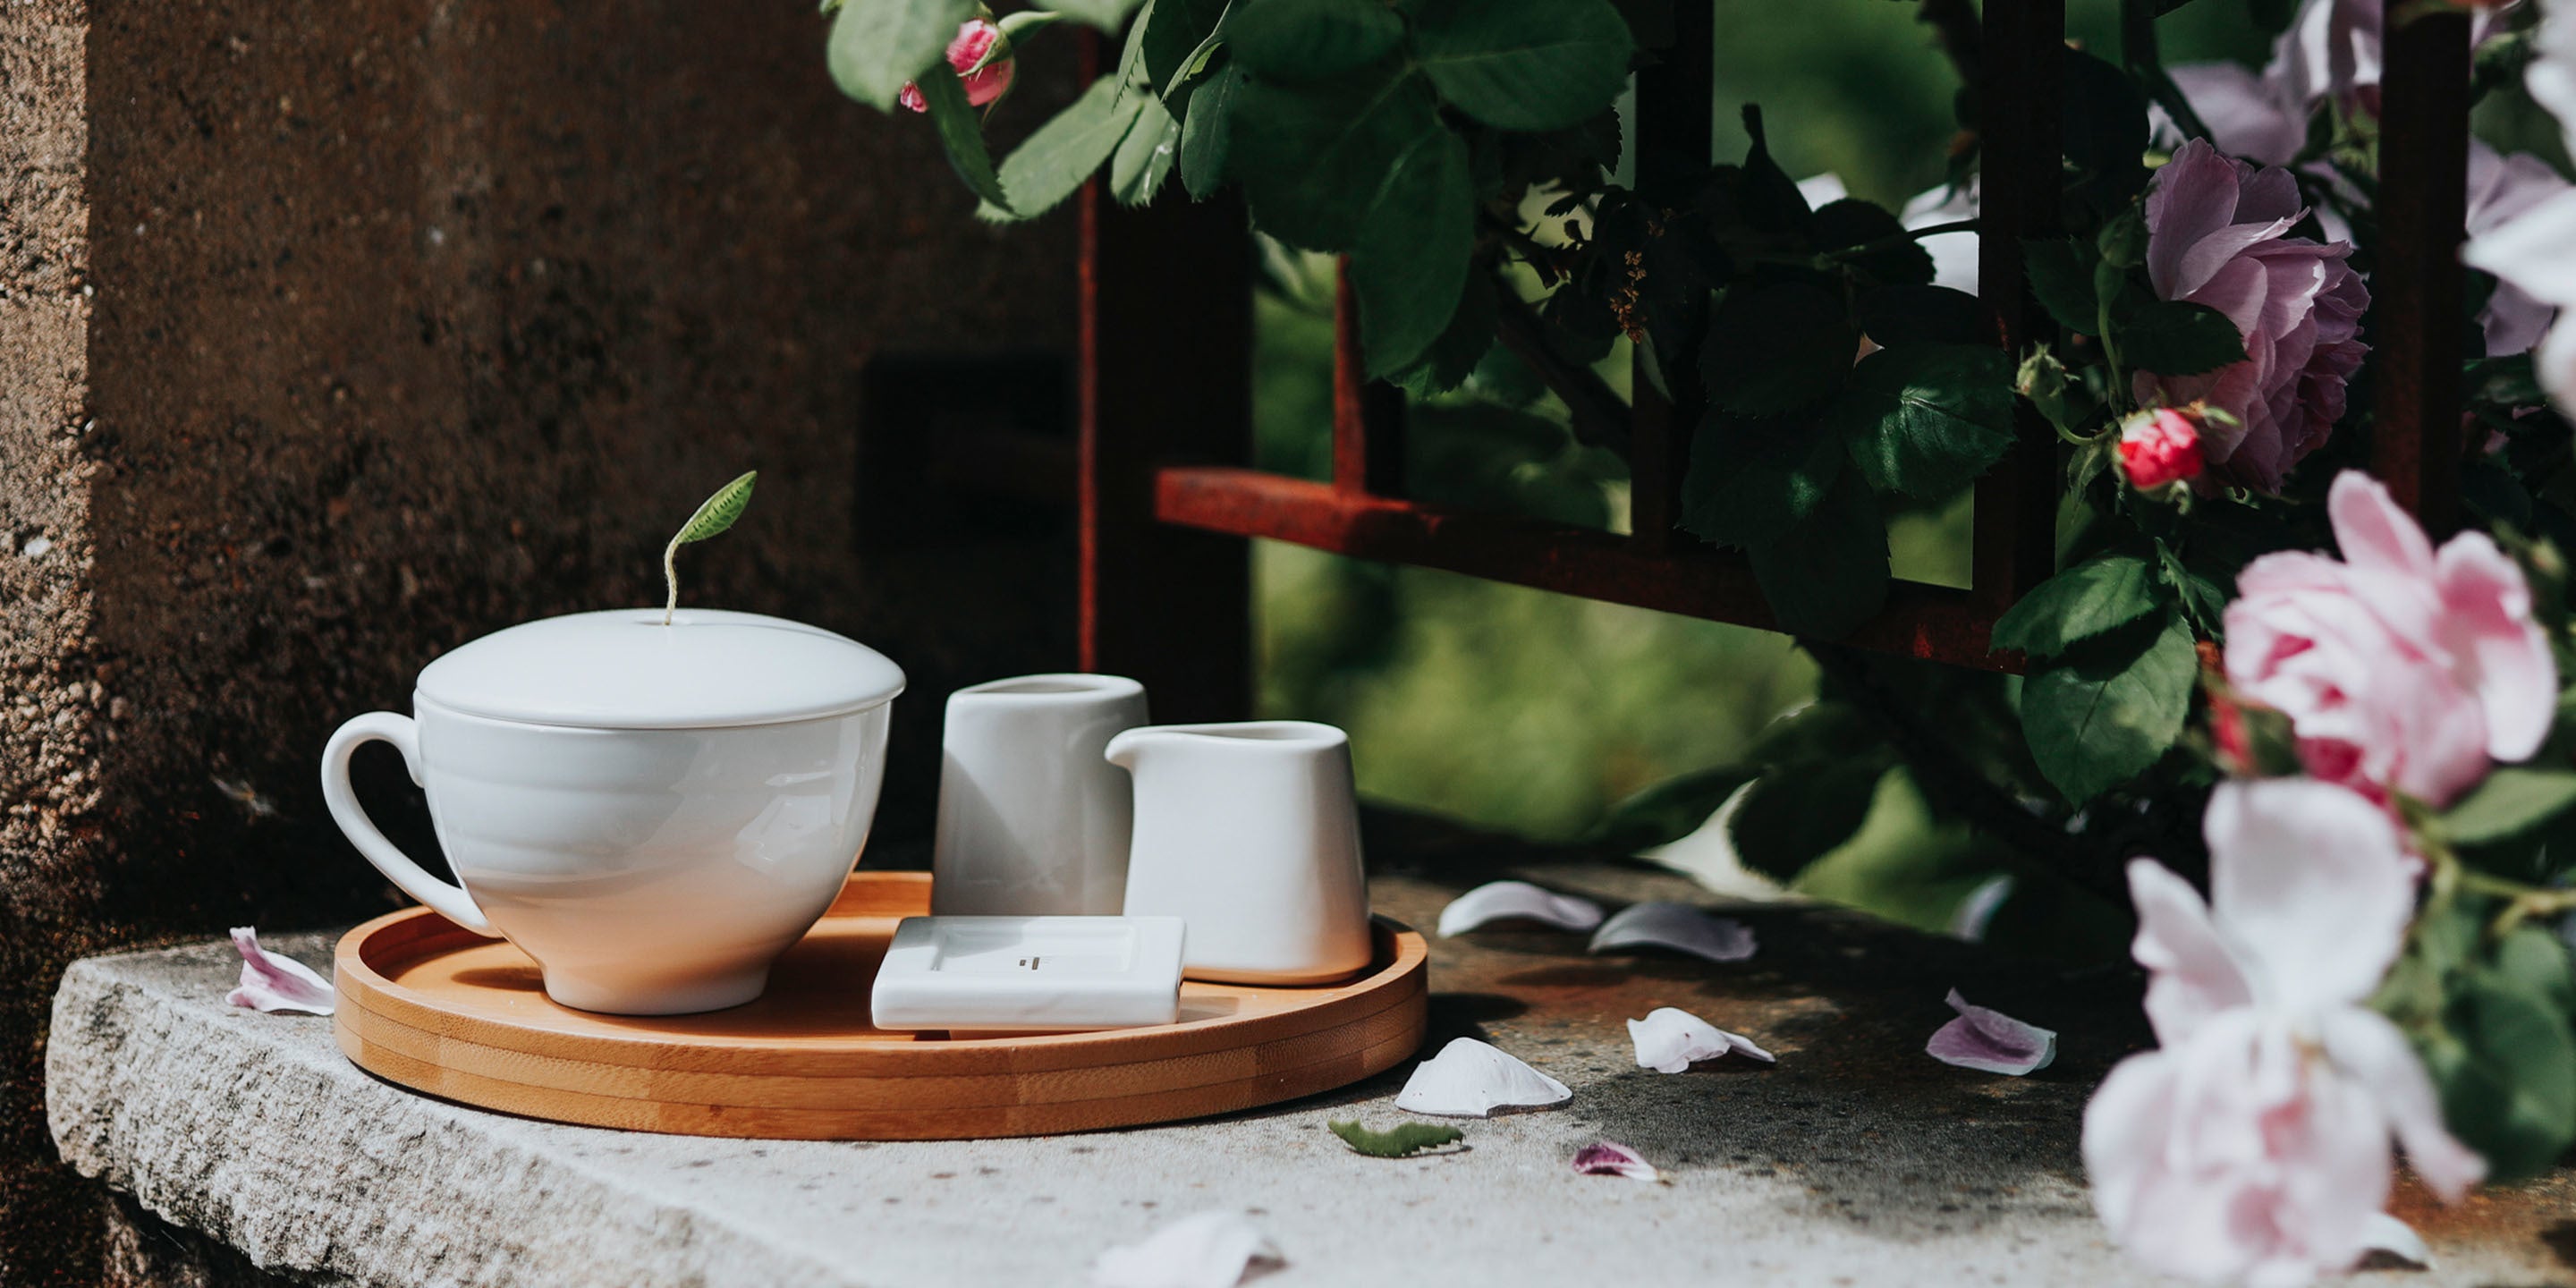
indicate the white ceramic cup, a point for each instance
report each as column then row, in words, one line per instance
column 648, row 870
column 1033, row 820
column 1250, row 833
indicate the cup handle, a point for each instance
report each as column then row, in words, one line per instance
column 445, row 898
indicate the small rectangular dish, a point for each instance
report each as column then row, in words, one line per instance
column 1030, row 974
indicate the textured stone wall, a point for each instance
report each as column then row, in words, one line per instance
column 333, row 336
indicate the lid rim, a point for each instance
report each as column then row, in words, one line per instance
column 420, row 699
column 623, row 669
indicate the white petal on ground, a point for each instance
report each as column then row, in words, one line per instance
column 1991, row 1041
column 2398, row 1239
column 1470, row 1079
column 271, row 982
column 1677, row 926
column 1610, row 1158
column 1516, row 900
column 1205, row 1250
column 1670, row 1039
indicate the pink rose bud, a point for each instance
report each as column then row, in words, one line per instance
column 2160, row 447
column 975, row 37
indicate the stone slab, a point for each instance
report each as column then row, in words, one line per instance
column 1856, row 1160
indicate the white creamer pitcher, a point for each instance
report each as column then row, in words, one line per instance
column 1250, row 832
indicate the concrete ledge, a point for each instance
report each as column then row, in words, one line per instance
column 1856, row 1161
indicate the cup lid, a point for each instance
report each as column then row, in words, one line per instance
column 623, row 669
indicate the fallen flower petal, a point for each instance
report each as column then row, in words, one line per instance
column 1991, row 1041
column 271, row 982
column 1470, row 1079
column 1516, row 900
column 1610, row 1158
column 1206, row 1250
column 1670, row 1039
column 1677, row 926
column 2386, row 1233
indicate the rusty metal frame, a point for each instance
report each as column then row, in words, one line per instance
column 1164, row 443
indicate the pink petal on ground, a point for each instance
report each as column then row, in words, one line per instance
column 1516, row 900
column 1677, row 926
column 1610, row 1158
column 1669, row 1040
column 270, row 982
column 1991, row 1041
column 1207, row 1250
column 1471, row 1079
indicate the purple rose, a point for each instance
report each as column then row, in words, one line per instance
column 2217, row 234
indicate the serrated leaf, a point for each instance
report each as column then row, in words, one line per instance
column 1051, row 164
column 1776, row 347
column 878, row 45
column 718, row 512
column 1524, row 64
column 2178, row 338
column 1926, row 419
column 1407, row 1138
column 1411, row 261
column 1296, row 148
column 961, row 132
column 1178, row 34
column 2092, row 598
column 1206, row 130
column 1466, row 347
column 2510, row 802
column 1107, row 15
column 1144, row 158
column 1750, row 481
column 2102, row 717
column 1851, row 222
column 1828, row 574
column 2506, row 1069
column 2061, row 276
column 1304, row 40
column 1794, row 815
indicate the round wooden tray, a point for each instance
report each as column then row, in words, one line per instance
column 428, row 1005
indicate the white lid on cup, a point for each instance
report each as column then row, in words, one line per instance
column 624, row 669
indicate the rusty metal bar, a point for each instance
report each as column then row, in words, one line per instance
column 1674, row 139
column 2418, row 281
column 1930, row 622
column 2020, row 96
column 1169, row 606
column 1368, row 415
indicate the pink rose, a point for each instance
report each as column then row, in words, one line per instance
column 2253, row 1145
column 974, row 37
column 2160, row 447
column 2401, row 668
column 2217, row 235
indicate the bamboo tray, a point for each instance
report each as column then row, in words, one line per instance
column 432, row 1007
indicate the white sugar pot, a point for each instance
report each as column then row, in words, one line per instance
column 652, row 812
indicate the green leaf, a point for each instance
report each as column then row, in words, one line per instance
column 878, row 45
column 1926, row 419
column 1750, row 481
column 2061, row 275
column 1793, row 816
column 1144, row 158
column 1107, row 15
column 1051, row 164
column 2509, row 803
column 1910, row 314
column 1828, row 574
column 1524, row 64
column 1206, row 130
column 2506, row 1068
column 1311, row 157
column 1177, row 34
column 1777, row 347
column 2178, row 338
column 962, row 133
column 2535, row 959
column 1016, row 27
column 1303, row 40
column 1411, row 261
column 2099, row 719
column 1667, row 811
column 1852, row 222
column 1465, row 347
column 1406, row 1139
column 713, row 516
column 2092, row 598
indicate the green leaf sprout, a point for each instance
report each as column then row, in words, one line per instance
column 1406, row 1139
column 714, row 515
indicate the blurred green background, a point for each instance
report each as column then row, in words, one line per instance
column 1533, row 712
